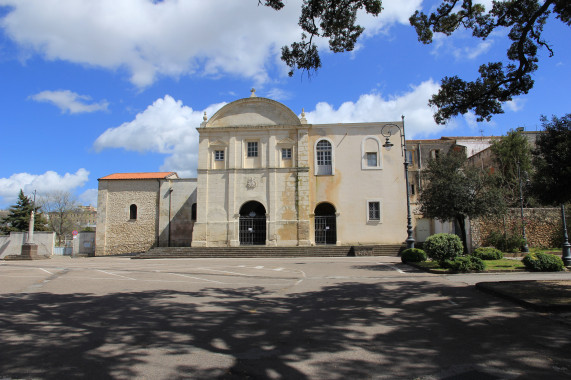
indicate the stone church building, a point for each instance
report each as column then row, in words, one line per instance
column 265, row 177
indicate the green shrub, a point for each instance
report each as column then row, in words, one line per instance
column 488, row 253
column 543, row 262
column 413, row 255
column 511, row 242
column 441, row 247
column 465, row 264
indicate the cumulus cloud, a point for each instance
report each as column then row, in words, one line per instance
column 42, row 183
column 196, row 37
column 89, row 197
column 376, row 107
column 168, row 127
column 71, row 102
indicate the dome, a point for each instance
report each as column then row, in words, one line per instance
column 253, row 111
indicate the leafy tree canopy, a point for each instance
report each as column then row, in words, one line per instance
column 552, row 160
column 497, row 82
column 509, row 153
column 454, row 191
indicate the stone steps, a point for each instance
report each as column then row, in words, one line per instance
column 265, row 252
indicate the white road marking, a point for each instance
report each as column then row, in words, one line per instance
column 113, row 274
column 225, row 271
column 47, row 271
column 278, row 269
column 393, row 267
column 259, row 267
column 196, row 278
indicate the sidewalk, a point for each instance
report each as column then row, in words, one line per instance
column 540, row 295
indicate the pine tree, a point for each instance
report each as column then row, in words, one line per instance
column 18, row 219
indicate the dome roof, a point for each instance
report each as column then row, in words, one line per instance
column 253, row 111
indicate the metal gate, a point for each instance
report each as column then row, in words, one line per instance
column 325, row 230
column 252, row 230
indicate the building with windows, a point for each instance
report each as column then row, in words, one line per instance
column 265, row 177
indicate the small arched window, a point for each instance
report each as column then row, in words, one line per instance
column 193, row 212
column 324, row 158
column 133, row 212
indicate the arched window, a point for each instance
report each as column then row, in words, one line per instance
column 323, row 158
column 133, row 212
column 371, row 153
column 193, row 212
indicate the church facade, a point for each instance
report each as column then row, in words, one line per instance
column 265, row 177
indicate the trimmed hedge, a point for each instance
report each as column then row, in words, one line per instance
column 488, row 253
column 543, row 262
column 507, row 243
column 413, row 255
column 465, row 264
column 442, row 247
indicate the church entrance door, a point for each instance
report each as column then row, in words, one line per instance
column 325, row 224
column 252, row 224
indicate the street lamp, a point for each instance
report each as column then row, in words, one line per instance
column 387, row 131
column 525, row 248
column 566, row 253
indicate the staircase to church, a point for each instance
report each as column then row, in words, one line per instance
column 268, row 252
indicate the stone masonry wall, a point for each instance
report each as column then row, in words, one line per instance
column 541, row 226
column 123, row 235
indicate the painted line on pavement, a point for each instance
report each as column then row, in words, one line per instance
column 113, row 274
column 225, row 271
column 45, row 270
column 393, row 267
column 196, row 278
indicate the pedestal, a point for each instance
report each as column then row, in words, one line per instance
column 29, row 250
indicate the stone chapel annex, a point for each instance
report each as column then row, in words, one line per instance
column 265, row 177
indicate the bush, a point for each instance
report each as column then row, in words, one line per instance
column 413, row 255
column 511, row 242
column 543, row 262
column 488, row 253
column 465, row 264
column 441, row 247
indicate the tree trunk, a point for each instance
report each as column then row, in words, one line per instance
column 462, row 223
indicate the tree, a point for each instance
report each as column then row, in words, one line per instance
column 552, row 160
column 454, row 191
column 60, row 206
column 18, row 218
column 509, row 152
column 497, row 83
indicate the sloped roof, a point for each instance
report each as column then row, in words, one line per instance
column 149, row 175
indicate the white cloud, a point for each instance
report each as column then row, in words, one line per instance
column 211, row 37
column 168, row 127
column 376, row 107
column 89, row 197
column 43, row 183
column 71, row 102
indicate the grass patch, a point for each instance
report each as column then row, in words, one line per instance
column 506, row 265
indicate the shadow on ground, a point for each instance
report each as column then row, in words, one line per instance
column 392, row 330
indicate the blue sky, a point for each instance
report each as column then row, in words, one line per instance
column 89, row 88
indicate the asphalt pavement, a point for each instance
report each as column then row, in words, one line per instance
column 311, row 318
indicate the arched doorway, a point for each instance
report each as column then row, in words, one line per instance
column 252, row 223
column 325, row 224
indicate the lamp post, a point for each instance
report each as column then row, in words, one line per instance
column 525, row 247
column 387, row 131
column 566, row 252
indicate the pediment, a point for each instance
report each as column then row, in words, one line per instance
column 286, row 141
column 217, row 143
column 253, row 112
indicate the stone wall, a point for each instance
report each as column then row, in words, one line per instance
column 12, row 244
column 116, row 232
column 541, row 226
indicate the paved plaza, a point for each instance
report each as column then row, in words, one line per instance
column 310, row 318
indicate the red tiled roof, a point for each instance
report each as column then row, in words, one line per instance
column 153, row 175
